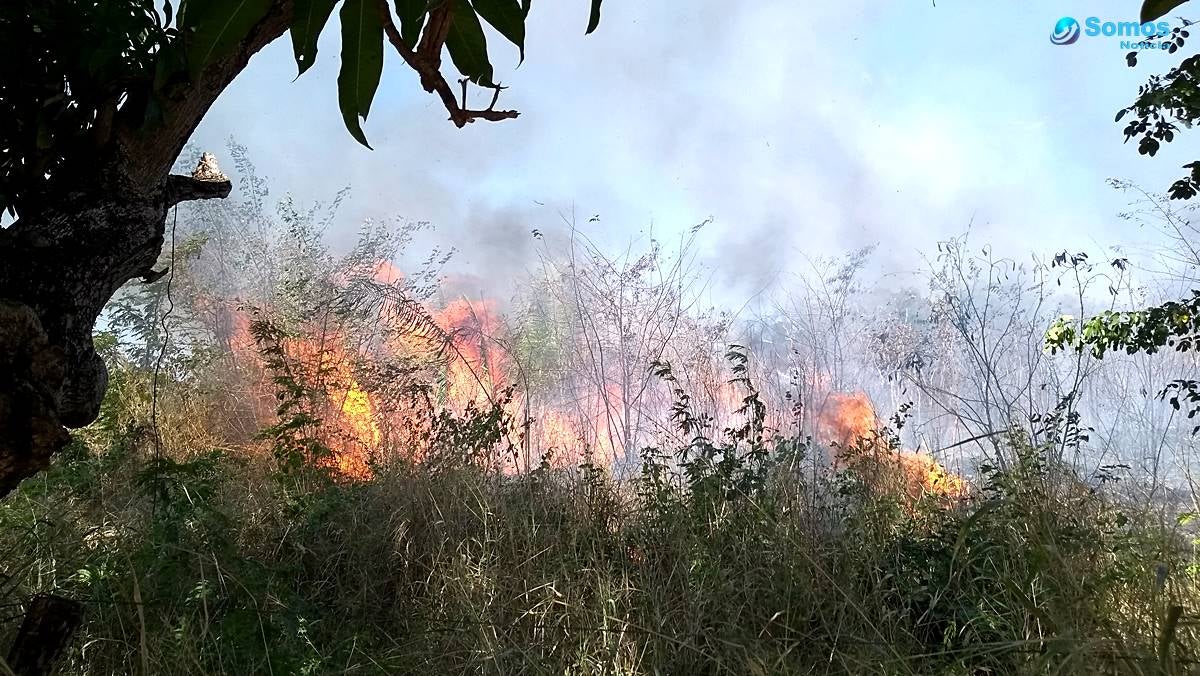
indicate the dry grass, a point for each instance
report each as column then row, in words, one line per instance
column 218, row 565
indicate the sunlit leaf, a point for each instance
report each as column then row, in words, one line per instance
column 362, row 63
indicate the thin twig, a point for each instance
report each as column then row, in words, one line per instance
column 427, row 64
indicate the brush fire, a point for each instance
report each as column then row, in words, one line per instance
column 849, row 424
column 379, row 393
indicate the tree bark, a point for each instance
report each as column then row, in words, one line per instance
column 45, row 632
column 96, row 225
column 57, row 271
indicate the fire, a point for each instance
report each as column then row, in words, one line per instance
column 478, row 368
column 356, row 421
column 323, row 365
column 926, row 477
column 361, row 419
column 558, row 435
column 356, row 406
column 360, row 427
column 347, row 412
column 386, row 273
column 848, row 420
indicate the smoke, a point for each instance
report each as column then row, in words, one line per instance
column 799, row 129
column 495, row 246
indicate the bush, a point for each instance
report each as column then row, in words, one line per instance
column 721, row 558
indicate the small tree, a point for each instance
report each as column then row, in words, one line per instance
column 1163, row 104
column 98, row 98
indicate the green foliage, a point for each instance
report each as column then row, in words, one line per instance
column 69, row 68
column 1153, row 10
column 467, row 44
column 1166, row 101
column 1172, row 324
column 507, row 17
column 412, row 15
column 999, row 572
column 64, row 67
column 473, row 437
column 311, row 17
column 213, row 30
column 593, row 16
column 362, row 63
column 715, row 475
column 295, row 436
column 728, row 560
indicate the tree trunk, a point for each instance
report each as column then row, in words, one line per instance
column 59, row 266
column 45, row 632
column 96, row 224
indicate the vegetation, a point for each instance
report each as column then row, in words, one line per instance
column 219, row 564
column 98, row 99
column 294, row 458
column 228, row 513
column 1163, row 104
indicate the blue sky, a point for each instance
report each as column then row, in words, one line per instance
column 800, row 130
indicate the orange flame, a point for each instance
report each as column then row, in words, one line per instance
column 360, row 426
column 479, row 370
column 350, row 415
column 349, row 425
column 848, row 420
column 359, row 420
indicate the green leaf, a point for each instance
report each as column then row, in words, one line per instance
column 1152, row 10
column 507, row 17
column 214, row 29
column 310, row 19
column 468, row 46
column 594, row 19
column 412, row 15
column 362, row 63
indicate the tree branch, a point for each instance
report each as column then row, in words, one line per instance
column 427, row 65
column 147, row 154
column 185, row 189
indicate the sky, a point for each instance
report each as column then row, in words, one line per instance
column 800, row 130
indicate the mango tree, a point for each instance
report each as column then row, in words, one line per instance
column 98, row 98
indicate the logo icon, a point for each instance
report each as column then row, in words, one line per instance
column 1066, row 31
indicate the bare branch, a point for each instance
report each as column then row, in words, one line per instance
column 426, row 61
column 185, row 189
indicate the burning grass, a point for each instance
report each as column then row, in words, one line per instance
column 351, row 475
column 738, row 554
column 849, row 423
column 215, row 565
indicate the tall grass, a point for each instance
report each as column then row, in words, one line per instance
column 224, row 563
